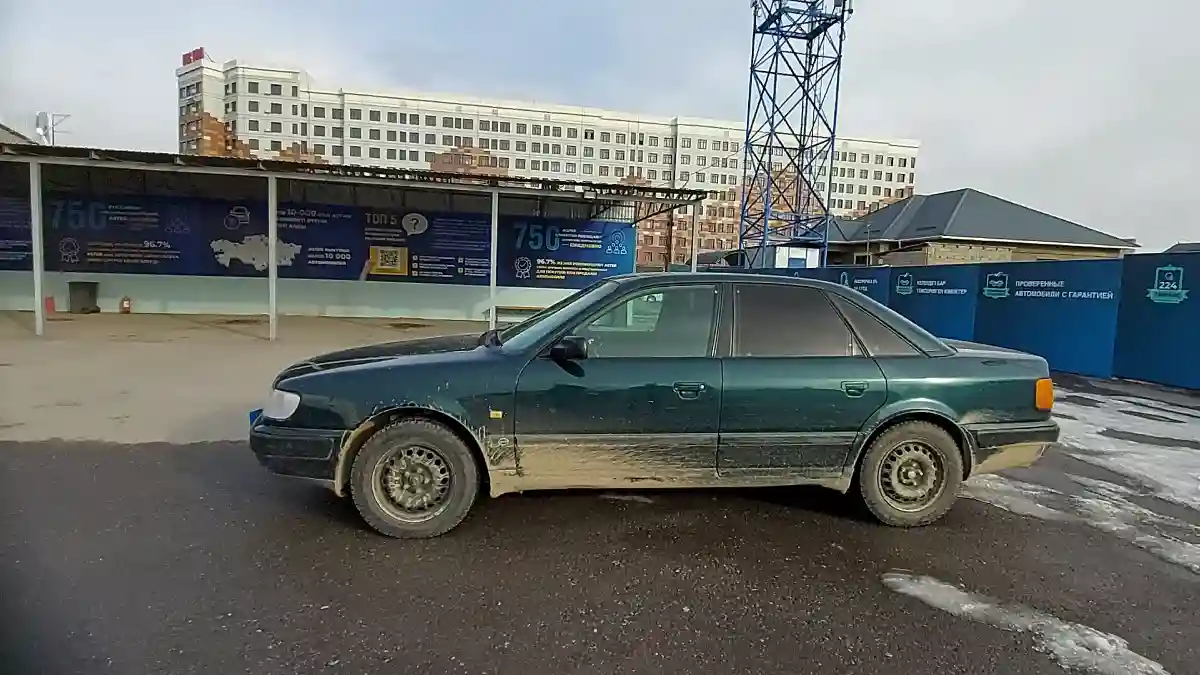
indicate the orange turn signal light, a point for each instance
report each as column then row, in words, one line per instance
column 1043, row 397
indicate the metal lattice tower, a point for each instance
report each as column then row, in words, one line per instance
column 791, row 123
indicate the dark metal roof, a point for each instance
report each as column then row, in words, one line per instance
column 1185, row 247
column 10, row 135
column 970, row 214
column 134, row 159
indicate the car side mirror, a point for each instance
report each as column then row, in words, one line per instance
column 570, row 348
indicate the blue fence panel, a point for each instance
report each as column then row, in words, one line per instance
column 193, row 237
column 874, row 282
column 1159, row 320
column 1063, row 311
column 941, row 299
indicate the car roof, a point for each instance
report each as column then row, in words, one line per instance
column 640, row 278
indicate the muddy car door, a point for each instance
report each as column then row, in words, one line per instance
column 631, row 393
column 797, row 389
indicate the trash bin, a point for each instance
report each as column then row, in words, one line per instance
column 82, row 296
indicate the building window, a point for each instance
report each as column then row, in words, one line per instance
column 414, row 137
column 373, row 115
column 447, row 139
column 702, row 144
column 587, row 168
column 254, row 144
column 373, row 153
column 355, row 151
column 430, row 139
column 520, row 163
column 276, row 146
column 391, row 135
column 336, row 113
column 319, row 111
column 413, row 155
column 391, row 118
column 373, row 134
column 391, row 153
column 620, row 139
column 603, row 170
column 276, row 108
column 570, row 167
column 520, row 130
column 521, row 146
column 355, row 132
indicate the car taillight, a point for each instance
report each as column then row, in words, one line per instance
column 1043, row 397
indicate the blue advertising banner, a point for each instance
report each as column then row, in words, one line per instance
column 148, row 235
column 941, row 299
column 345, row 242
column 16, row 239
column 1159, row 319
column 555, row 253
column 191, row 237
column 1065, row 311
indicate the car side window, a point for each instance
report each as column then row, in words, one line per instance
column 780, row 320
column 876, row 336
column 673, row 321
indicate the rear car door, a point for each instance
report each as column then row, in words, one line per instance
column 797, row 387
column 642, row 406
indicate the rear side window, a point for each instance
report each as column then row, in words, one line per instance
column 875, row 335
column 783, row 320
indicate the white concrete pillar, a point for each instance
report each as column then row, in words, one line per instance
column 273, row 253
column 493, row 257
column 38, row 246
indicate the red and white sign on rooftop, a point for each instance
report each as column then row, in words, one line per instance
column 193, row 56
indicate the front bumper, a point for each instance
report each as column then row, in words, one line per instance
column 305, row 453
column 1010, row 445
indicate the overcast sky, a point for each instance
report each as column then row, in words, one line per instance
column 1087, row 109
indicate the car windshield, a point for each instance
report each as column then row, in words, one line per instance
column 530, row 330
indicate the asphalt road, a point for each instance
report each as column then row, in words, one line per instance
column 191, row 559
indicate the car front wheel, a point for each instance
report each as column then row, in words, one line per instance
column 910, row 474
column 414, row 479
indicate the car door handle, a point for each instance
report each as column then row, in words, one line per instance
column 689, row 390
column 854, row 389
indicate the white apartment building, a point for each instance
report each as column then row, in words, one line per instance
column 274, row 112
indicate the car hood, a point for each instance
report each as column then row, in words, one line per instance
column 442, row 344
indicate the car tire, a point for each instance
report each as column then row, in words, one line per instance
column 406, row 464
column 910, row 474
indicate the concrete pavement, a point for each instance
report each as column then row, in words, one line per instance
column 190, row 559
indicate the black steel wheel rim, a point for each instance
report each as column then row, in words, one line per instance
column 912, row 476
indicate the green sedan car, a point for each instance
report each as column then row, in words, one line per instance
column 661, row 381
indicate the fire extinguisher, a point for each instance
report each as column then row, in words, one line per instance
column 126, row 305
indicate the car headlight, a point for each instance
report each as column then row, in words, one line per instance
column 280, row 405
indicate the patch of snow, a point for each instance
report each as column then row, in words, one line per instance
column 1019, row 497
column 1072, row 645
column 1174, row 473
column 1100, row 504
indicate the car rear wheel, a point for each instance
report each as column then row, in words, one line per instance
column 910, row 474
column 414, row 479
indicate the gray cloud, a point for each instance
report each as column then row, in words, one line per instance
column 1073, row 107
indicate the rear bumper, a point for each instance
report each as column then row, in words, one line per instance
column 305, row 453
column 1010, row 445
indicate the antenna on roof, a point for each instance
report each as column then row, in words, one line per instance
column 45, row 126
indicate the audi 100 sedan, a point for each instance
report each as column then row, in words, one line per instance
column 661, row 381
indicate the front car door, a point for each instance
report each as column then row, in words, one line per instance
column 641, row 410
column 797, row 388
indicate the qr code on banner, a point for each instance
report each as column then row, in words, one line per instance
column 389, row 260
